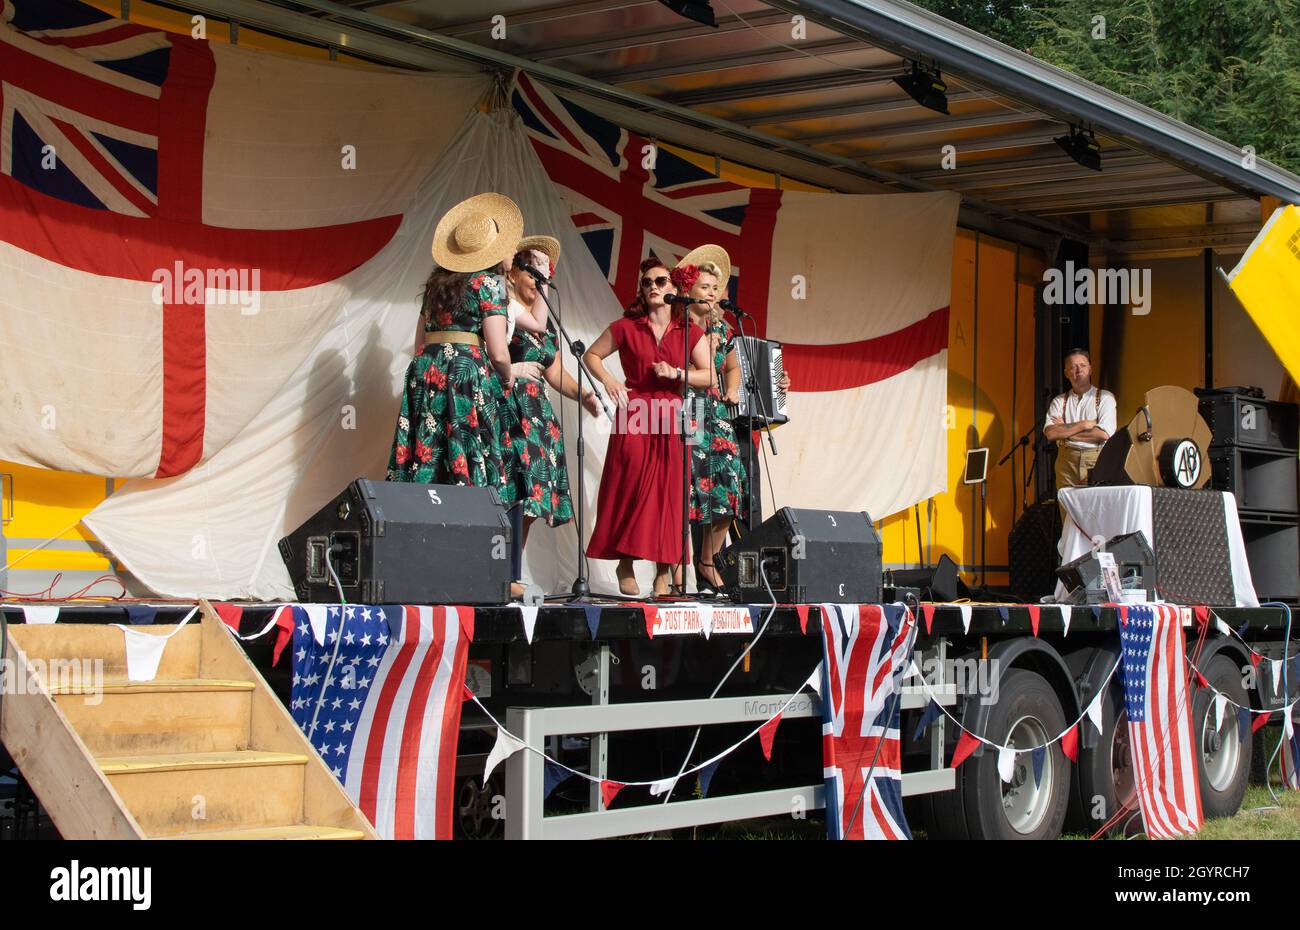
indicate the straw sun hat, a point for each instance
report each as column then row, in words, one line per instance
column 547, row 245
column 478, row 233
column 710, row 253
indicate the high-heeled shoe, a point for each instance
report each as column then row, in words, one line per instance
column 702, row 584
column 627, row 584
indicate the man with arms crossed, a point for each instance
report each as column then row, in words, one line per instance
column 1079, row 421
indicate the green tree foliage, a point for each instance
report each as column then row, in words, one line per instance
column 1229, row 67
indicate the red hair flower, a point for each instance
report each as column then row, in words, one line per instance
column 685, row 276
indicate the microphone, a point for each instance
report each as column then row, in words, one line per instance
column 683, row 300
column 728, row 305
column 538, row 276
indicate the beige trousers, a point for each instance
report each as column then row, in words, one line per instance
column 1073, row 465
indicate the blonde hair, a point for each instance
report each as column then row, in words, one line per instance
column 715, row 312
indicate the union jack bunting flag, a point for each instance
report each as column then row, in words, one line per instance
column 1160, row 720
column 388, row 682
column 865, row 653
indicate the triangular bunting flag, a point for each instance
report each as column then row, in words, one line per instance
column 1094, row 712
column 144, row 614
column 1067, row 614
column 553, row 776
column 1004, row 613
column 1006, row 763
column 767, row 734
column 609, row 791
column 801, row 610
column 230, row 614
column 1260, row 721
column 927, row 613
column 928, row 716
column 1202, row 614
column 317, row 618
column 815, row 681
column 1222, row 627
column 1243, row 722
column 506, row 746
column 593, row 618
column 1096, row 613
column 285, row 617
column 143, row 653
column 706, row 777
column 1277, row 674
column 1220, row 705
column 1288, row 725
column 466, row 693
column 662, row 786
column 1070, row 743
column 1241, row 630
column 1033, row 617
column 965, row 617
column 965, row 746
column 649, row 611
column 1201, row 680
column 706, row 619
column 1255, row 659
column 528, row 613
column 40, row 614
column 1038, row 756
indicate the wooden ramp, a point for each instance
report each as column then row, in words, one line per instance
column 203, row 751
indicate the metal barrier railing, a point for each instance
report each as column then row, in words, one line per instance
column 525, row 771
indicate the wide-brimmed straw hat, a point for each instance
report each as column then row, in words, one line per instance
column 478, row 233
column 547, row 245
column 710, row 253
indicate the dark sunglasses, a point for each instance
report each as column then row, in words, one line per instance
column 661, row 281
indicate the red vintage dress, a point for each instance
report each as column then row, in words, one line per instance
column 639, row 508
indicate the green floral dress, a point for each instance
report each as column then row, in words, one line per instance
column 534, row 459
column 449, row 430
column 717, row 472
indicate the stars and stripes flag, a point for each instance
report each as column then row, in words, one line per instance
column 865, row 652
column 1159, row 707
column 389, row 707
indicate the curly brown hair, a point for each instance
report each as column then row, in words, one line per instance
column 638, row 306
column 443, row 290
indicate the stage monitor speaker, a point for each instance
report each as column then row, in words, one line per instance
column 808, row 557
column 1260, row 479
column 1134, row 560
column 941, row 584
column 1166, row 444
column 403, row 543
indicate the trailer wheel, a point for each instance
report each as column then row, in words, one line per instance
column 1104, row 779
column 1224, row 763
column 1028, row 713
column 475, row 807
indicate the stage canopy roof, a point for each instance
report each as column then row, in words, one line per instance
column 824, row 108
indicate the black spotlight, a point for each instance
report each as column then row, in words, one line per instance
column 926, row 87
column 701, row 11
column 1082, row 147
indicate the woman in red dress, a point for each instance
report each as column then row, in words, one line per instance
column 639, row 508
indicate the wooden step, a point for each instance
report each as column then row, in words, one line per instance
column 296, row 831
column 206, row 791
column 163, row 716
column 69, row 652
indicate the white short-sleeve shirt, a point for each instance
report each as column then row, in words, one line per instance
column 1093, row 404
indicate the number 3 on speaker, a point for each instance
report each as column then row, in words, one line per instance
column 831, row 517
column 433, row 496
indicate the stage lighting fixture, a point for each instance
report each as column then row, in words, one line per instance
column 1082, row 147
column 926, row 87
column 701, row 11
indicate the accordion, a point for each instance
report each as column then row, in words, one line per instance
column 760, row 369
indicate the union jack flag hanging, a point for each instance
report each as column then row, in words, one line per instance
column 1160, row 720
column 865, row 653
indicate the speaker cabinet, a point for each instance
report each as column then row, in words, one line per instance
column 402, row 543
column 1273, row 553
column 1241, row 420
column 805, row 557
column 1260, row 479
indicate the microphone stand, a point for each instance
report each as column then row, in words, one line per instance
column 581, row 587
column 686, row 449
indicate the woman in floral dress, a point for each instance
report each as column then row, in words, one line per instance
column 448, row 431
column 717, row 473
column 534, row 457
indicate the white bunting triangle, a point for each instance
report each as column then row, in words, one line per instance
column 1277, row 673
column 1006, row 763
column 1066, row 614
column 40, row 614
column 914, row 671
column 1094, row 711
column 143, row 653
column 1222, row 627
column 530, row 620
column 505, row 747
column 1288, row 727
column 706, row 619
column 965, row 617
column 662, row 786
column 317, row 617
column 1220, row 702
column 815, row 681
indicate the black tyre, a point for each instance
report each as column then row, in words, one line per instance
column 1104, row 782
column 1027, row 713
column 1224, row 762
column 476, row 806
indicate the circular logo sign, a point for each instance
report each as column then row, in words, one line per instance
column 1187, row 464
